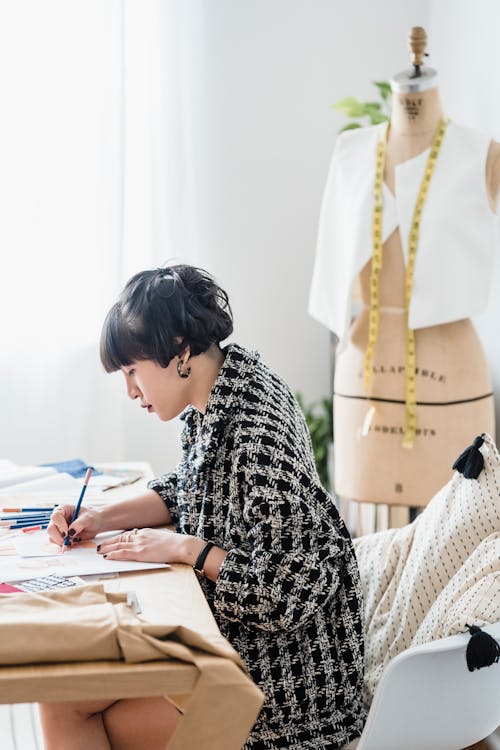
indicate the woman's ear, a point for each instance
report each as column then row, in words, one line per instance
column 183, row 369
column 185, row 354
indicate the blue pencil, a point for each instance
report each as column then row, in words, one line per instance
column 28, row 510
column 25, row 524
column 78, row 505
column 31, row 519
column 24, row 516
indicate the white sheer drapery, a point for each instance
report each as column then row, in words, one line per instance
column 95, row 184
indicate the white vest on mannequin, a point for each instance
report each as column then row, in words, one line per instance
column 458, row 231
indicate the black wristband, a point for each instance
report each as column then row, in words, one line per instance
column 200, row 560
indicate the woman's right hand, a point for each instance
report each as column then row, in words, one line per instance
column 86, row 526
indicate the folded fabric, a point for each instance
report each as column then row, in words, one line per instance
column 430, row 578
column 87, row 624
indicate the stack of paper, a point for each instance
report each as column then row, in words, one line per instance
column 40, row 484
column 11, row 473
column 60, row 483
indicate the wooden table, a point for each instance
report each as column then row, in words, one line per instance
column 165, row 596
column 168, row 596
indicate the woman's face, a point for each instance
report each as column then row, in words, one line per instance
column 160, row 389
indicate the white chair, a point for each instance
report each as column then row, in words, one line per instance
column 428, row 700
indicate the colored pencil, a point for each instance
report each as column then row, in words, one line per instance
column 24, row 516
column 35, row 528
column 67, row 540
column 27, row 514
column 27, row 510
column 24, row 524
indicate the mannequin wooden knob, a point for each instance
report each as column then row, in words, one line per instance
column 417, row 42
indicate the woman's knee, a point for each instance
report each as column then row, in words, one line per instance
column 141, row 722
column 73, row 710
column 75, row 725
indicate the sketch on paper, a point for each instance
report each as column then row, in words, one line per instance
column 36, row 556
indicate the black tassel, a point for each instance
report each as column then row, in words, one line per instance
column 470, row 463
column 482, row 649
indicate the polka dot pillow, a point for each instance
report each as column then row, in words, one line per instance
column 428, row 579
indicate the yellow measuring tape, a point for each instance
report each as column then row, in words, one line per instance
column 374, row 315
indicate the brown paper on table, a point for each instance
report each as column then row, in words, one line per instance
column 89, row 624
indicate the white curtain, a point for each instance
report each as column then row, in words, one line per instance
column 95, row 184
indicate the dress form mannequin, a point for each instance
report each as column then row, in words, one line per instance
column 454, row 400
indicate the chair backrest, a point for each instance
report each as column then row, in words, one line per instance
column 428, row 700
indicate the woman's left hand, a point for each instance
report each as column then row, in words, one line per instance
column 145, row 545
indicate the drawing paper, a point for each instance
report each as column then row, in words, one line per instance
column 37, row 556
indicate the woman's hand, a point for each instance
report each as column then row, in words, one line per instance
column 86, row 526
column 149, row 545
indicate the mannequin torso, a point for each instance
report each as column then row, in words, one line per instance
column 452, row 376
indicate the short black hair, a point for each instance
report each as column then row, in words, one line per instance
column 160, row 312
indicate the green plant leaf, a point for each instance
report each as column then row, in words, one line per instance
column 350, row 106
column 376, row 118
column 350, row 126
column 384, row 89
column 319, row 420
column 372, row 112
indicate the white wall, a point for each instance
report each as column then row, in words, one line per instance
column 463, row 39
column 262, row 139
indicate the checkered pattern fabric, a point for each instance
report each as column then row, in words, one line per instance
column 288, row 594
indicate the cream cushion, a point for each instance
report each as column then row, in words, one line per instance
column 430, row 578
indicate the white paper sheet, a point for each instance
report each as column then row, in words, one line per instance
column 58, row 482
column 37, row 544
column 37, row 556
column 13, row 474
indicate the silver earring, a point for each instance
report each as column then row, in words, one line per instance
column 179, row 370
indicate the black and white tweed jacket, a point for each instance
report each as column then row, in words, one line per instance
column 288, row 595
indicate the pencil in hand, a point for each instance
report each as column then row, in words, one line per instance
column 67, row 540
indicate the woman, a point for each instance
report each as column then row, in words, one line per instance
column 278, row 568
